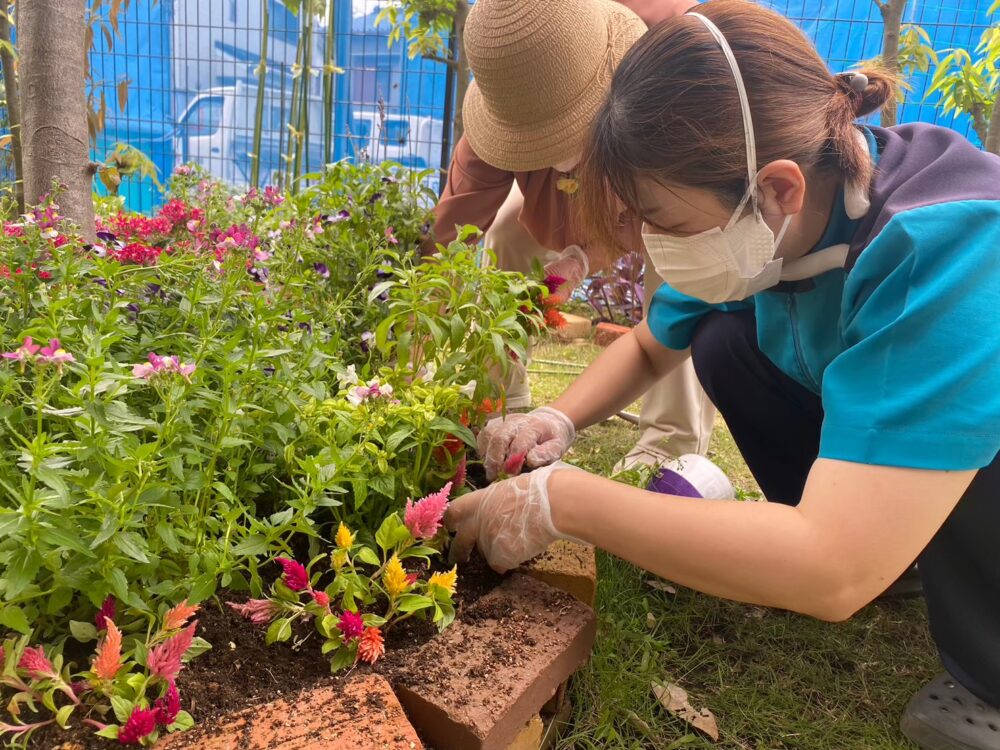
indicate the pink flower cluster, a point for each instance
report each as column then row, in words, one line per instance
column 423, row 518
column 178, row 213
column 158, row 365
column 52, row 354
column 137, row 253
column 138, row 227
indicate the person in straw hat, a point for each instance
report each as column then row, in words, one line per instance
column 542, row 69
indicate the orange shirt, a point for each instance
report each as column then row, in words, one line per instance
column 476, row 190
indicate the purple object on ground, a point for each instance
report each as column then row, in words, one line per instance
column 668, row 482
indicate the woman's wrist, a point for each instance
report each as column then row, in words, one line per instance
column 568, row 502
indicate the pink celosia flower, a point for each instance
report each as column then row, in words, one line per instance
column 54, row 353
column 321, row 598
column 168, row 706
column 106, row 612
column 351, row 625
column 164, row 661
column 295, row 575
column 36, row 664
column 514, row 464
column 458, row 480
column 257, row 611
column 139, row 724
column 26, row 350
column 423, row 518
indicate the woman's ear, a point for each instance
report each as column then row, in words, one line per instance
column 782, row 187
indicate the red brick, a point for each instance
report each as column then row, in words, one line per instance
column 569, row 567
column 360, row 714
column 476, row 685
column 608, row 333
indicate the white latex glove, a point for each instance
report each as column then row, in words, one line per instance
column 510, row 521
column 536, row 438
column 572, row 265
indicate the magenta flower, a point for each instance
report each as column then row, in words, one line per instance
column 553, row 282
column 257, row 611
column 393, row 240
column 25, row 351
column 165, row 660
column 167, row 707
column 139, row 724
column 321, row 598
column 107, row 610
column 183, row 170
column 295, row 575
column 36, row 663
column 54, row 353
column 423, row 518
column 351, row 625
column 158, row 365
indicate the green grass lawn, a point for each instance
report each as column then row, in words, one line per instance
column 773, row 679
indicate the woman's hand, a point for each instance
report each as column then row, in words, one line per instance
column 537, row 438
column 509, row 521
column 571, row 265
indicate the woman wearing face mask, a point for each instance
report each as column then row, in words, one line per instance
column 839, row 286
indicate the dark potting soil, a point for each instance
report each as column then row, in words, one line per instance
column 240, row 671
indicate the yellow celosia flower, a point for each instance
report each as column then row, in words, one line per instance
column 446, row 581
column 394, row 578
column 339, row 559
column 344, row 538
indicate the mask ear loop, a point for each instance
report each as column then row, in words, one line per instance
column 748, row 135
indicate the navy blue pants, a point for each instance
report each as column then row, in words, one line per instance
column 776, row 424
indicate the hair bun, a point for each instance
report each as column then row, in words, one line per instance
column 867, row 91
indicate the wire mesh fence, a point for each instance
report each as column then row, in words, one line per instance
column 179, row 79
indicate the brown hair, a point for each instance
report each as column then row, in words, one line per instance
column 673, row 112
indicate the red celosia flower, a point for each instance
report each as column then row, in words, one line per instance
column 179, row 615
column 412, row 578
column 36, row 664
column 514, row 464
column 351, row 625
column 164, row 661
column 139, row 724
column 295, row 576
column 168, row 706
column 423, row 518
column 371, row 647
column 109, row 654
column 106, row 612
column 44, row 275
column 257, row 611
column 321, row 598
column 553, row 282
column 554, row 318
column 458, row 480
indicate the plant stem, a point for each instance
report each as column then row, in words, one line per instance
column 258, row 124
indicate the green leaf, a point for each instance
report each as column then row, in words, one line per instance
column 63, row 714
column 373, row 621
column 182, row 723
column 122, row 708
column 233, row 442
column 203, row 587
column 198, row 646
column 418, row 552
column 253, row 545
column 110, row 732
column 13, row 617
column 367, row 556
column 343, row 658
column 279, row 631
column 83, row 631
column 391, row 533
column 119, row 584
column 21, row 570
column 414, row 602
column 132, row 545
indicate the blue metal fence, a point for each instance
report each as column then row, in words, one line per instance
column 186, row 70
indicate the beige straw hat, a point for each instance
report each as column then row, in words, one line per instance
column 542, row 69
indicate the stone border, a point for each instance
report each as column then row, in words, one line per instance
column 480, row 696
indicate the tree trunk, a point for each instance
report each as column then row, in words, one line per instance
column 13, row 105
column 462, row 74
column 892, row 20
column 992, row 140
column 54, row 106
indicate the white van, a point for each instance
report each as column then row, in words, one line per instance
column 216, row 131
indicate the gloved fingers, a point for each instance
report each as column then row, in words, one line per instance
column 462, row 517
column 545, row 453
column 524, row 441
column 498, row 447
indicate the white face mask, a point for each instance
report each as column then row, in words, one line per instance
column 723, row 265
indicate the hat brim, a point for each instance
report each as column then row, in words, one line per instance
column 519, row 148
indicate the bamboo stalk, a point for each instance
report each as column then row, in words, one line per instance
column 328, row 103
column 302, row 152
column 293, row 118
column 258, row 124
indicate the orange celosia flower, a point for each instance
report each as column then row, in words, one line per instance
column 109, row 654
column 371, row 647
column 179, row 615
